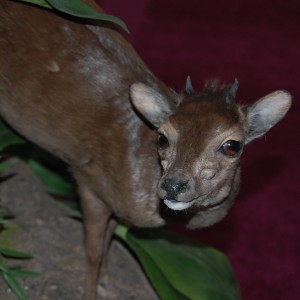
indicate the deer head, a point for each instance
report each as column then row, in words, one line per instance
column 201, row 137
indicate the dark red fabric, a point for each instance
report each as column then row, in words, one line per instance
column 259, row 43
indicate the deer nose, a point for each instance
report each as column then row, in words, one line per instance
column 173, row 187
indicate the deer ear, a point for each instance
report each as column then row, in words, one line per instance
column 266, row 112
column 150, row 103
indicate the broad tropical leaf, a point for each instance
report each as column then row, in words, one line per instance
column 78, row 9
column 198, row 272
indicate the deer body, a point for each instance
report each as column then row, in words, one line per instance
column 104, row 132
column 82, row 93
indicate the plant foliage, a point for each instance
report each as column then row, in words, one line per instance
column 179, row 268
column 78, row 9
column 10, row 274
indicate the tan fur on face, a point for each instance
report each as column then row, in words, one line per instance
column 205, row 167
column 196, row 135
column 168, row 155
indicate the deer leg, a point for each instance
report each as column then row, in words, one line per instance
column 107, row 241
column 95, row 217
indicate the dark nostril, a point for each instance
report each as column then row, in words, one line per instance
column 182, row 186
column 173, row 187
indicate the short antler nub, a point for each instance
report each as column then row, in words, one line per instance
column 188, row 86
column 232, row 92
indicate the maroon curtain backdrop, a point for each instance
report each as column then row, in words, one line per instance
column 257, row 42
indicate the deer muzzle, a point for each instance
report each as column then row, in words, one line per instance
column 176, row 193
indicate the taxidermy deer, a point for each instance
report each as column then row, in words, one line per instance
column 135, row 147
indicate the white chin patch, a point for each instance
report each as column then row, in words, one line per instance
column 175, row 205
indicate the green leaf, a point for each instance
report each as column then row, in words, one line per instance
column 8, row 137
column 14, row 285
column 54, row 182
column 5, row 165
column 3, row 268
column 21, row 273
column 121, row 231
column 79, row 9
column 196, row 271
column 160, row 283
column 14, row 254
column 42, row 3
column 39, row 160
column 74, row 211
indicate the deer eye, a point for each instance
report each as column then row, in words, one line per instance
column 162, row 141
column 231, row 148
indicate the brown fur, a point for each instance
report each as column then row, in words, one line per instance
column 71, row 88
